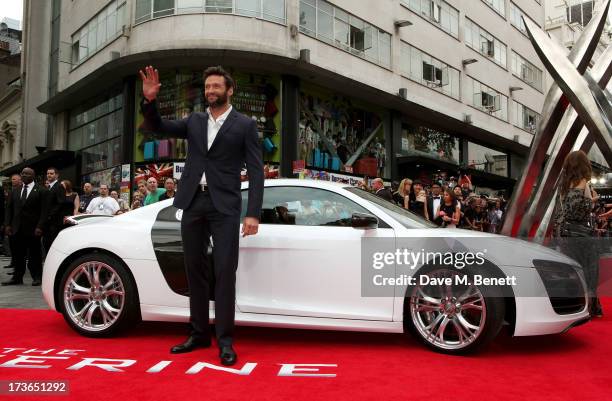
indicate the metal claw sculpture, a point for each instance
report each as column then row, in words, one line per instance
column 587, row 122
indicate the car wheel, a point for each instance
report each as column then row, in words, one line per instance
column 98, row 296
column 453, row 319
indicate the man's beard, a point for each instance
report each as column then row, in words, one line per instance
column 220, row 101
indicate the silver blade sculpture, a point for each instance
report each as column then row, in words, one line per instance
column 590, row 107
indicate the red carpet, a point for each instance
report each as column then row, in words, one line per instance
column 573, row 366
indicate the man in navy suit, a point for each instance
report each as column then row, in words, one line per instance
column 220, row 141
column 25, row 218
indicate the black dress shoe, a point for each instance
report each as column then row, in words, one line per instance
column 228, row 355
column 36, row 283
column 189, row 345
column 13, row 282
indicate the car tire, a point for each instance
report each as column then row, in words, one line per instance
column 456, row 319
column 97, row 296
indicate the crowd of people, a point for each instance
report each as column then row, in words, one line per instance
column 445, row 203
column 33, row 214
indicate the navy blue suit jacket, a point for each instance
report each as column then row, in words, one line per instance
column 236, row 143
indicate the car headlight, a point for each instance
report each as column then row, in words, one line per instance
column 563, row 284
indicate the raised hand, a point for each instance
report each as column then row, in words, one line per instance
column 150, row 83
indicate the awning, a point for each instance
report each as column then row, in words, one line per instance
column 49, row 158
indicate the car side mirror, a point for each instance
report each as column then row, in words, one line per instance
column 364, row 220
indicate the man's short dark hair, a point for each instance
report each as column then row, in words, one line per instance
column 218, row 70
column 54, row 170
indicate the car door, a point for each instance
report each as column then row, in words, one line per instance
column 306, row 258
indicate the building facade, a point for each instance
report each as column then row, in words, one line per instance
column 10, row 92
column 394, row 88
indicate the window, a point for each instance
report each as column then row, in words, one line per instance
column 489, row 100
column 487, row 160
column 105, row 27
column 524, row 117
column 95, row 123
column 322, row 20
column 94, row 130
column 498, row 5
column 438, row 12
column 197, row 6
column 270, row 10
column 406, row 218
column 304, row 206
column 308, row 17
column 485, row 43
column 219, row 6
column 527, row 72
column 516, row 18
column 580, row 13
column 427, row 70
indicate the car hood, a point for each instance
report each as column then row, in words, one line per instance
column 498, row 249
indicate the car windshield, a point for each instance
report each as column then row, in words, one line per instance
column 407, row 218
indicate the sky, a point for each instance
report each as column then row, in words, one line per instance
column 11, row 8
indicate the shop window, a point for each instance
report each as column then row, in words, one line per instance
column 336, row 133
column 487, row 160
column 430, row 143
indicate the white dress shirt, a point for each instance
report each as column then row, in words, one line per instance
column 213, row 130
column 29, row 187
column 436, row 204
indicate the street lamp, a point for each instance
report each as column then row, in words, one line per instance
column 468, row 61
column 400, row 23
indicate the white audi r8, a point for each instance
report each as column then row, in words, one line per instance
column 309, row 267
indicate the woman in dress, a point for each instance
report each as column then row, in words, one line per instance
column 70, row 206
column 418, row 200
column 404, row 191
column 573, row 226
column 449, row 212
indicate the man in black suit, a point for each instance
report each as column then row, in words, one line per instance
column 434, row 201
column 56, row 196
column 220, row 141
column 25, row 219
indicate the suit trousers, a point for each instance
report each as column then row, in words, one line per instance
column 27, row 246
column 50, row 235
column 199, row 222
